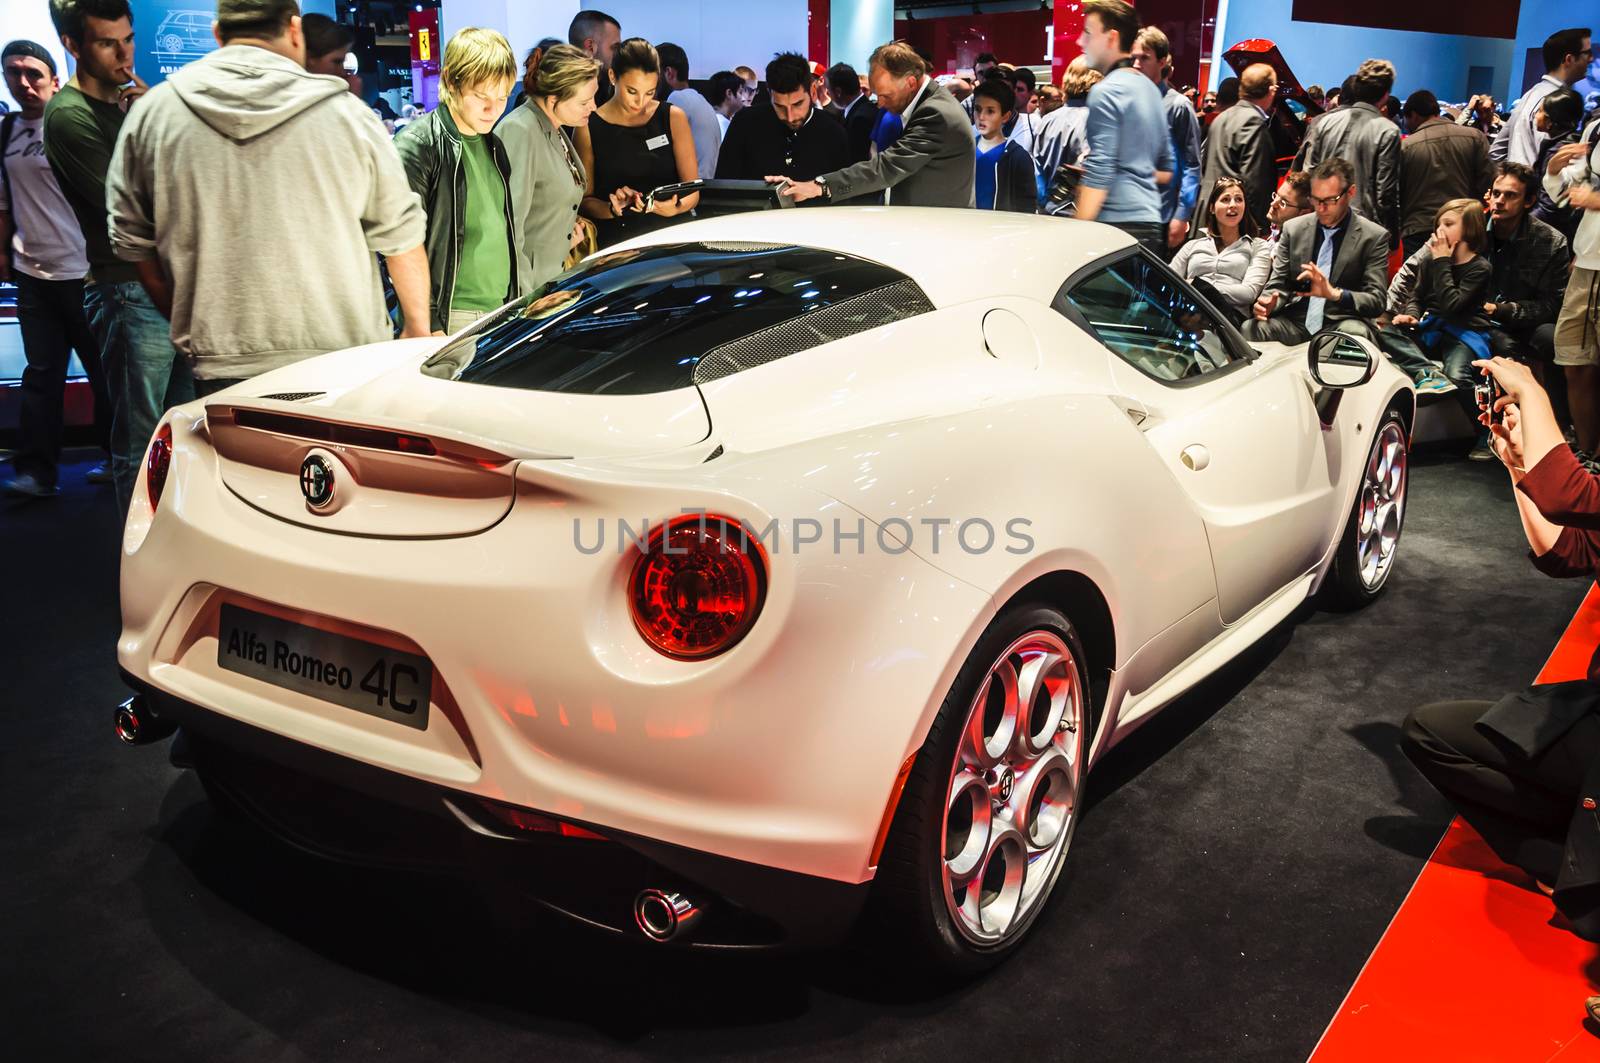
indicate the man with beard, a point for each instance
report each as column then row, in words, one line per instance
column 788, row 137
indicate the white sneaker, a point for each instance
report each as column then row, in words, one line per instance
column 27, row 485
column 100, row 474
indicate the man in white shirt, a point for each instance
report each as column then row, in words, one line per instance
column 44, row 257
column 728, row 95
column 702, row 118
column 1566, row 58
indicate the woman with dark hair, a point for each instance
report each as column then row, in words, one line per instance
column 633, row 145
column 1228, row 261
column 1558, row 118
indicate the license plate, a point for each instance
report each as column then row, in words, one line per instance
column 390, row 684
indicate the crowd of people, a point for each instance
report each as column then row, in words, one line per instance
column 161, row 233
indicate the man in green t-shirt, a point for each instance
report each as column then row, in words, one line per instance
column 459, row 168
column 144, row 375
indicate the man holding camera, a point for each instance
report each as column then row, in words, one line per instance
column 1330, row 268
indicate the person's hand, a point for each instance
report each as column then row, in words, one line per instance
column 1505, row 438
column 623, row 199
column 799, row 191
column 1584, row 197
column 1565, row 156
column 1404, row 319
column 1265, row 306
column 1320, row 288
column 1514, row 378
column 1177, row 232
column 131, row 92
column 1490, row 309
column 1439, row 245
column 577, row 236
column 666, row 208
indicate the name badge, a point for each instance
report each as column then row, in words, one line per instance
column 657, row 142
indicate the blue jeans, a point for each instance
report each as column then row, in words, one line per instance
column 144, row 374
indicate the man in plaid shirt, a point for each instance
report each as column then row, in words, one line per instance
column 1530, row 268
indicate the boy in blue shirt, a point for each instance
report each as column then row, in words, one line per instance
column 1005, row 178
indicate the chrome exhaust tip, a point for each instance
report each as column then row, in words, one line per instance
column 136, row 725
column 663, row 915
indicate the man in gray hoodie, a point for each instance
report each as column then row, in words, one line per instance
column 253, row 194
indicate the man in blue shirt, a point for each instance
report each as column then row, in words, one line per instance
column 1130, row 151
column 1152, row 57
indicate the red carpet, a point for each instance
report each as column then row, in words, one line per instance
column 1476, row 964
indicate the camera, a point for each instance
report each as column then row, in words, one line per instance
column 1486, row 392
column 1302, row 285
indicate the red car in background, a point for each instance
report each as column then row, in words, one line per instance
column 1292, row 110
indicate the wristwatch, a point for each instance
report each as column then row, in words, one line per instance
column 822, row 183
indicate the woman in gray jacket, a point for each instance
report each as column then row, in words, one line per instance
column 547, row 176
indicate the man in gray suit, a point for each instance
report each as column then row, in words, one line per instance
column 1239, row 144
column 934, row 161
column 1340, row 260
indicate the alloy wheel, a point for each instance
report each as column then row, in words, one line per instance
column 1012, row 800
column 1382, row 506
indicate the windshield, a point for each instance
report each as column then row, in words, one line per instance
column 665, row 317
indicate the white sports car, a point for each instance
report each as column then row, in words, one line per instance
column 759, row 572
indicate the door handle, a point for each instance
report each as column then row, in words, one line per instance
column 1196, row 457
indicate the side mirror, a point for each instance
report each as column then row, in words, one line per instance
column 1339, row 360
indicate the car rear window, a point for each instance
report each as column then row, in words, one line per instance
column 665, row 317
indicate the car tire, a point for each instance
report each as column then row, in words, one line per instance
column 1364, row 562
column 222, row 803
column 936, row 931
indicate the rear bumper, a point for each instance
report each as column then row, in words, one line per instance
column 346, row 810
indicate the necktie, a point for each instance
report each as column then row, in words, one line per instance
column 1315, row 307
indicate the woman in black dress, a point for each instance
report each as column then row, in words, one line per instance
column 633, row 145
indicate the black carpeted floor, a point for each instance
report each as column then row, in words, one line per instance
column 1245, row 852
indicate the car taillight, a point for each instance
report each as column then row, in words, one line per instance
column 156, row 465
column 697, row 588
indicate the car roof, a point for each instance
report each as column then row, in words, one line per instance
column 954, row 255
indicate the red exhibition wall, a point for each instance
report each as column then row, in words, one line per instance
column 954, row 41
column 1019, row 37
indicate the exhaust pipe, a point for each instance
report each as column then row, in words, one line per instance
column 663, row 915
column 136, row 725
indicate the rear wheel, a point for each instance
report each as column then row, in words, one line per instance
column 1366, row 555
column 983, row 826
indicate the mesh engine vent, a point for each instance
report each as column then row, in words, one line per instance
column 736, row 248
column 292, row 396
column 869, row 310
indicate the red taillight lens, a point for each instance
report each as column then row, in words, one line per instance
column 697, row 588
column 156, row 465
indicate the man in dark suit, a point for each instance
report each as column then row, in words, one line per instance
column 859, row 114
column 1339, row 258
column 932, row 164
column 1239, row 144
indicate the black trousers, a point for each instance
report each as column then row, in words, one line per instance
column 1522, row 806
column 53, row 325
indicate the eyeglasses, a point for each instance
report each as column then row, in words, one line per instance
column 1280, row 201
column 1328, row 201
